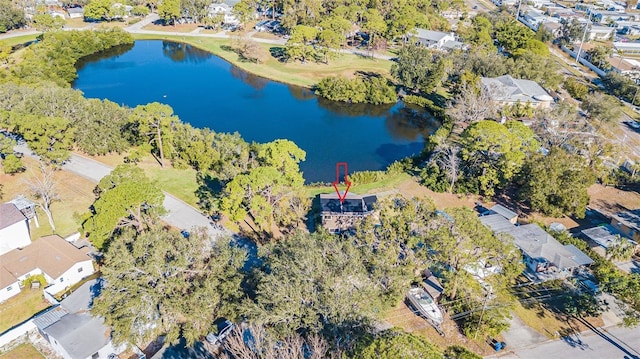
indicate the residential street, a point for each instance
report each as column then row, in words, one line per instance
column 180, row 214
column 599, row 343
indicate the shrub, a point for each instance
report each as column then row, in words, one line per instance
column 576, row 89
column 374, row 90
column 12, row 164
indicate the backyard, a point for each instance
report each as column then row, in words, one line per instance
column 22, row 351
column 21, row 307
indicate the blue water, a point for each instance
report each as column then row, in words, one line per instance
column 207, row 91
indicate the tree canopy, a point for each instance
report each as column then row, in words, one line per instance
column 125, row 198
column 158, row 283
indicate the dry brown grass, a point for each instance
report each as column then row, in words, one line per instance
column 22, row 351
column 21, row 307
column 75, row 192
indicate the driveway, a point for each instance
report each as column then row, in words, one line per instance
column 614, row 342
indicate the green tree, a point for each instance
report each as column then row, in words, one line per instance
column 270, row 192
column 460, row 241
column 419, row 68
column 604, row 107
column 169, row 10
column 49, row 137
column 495, row 153
column 329, row 42
column 99, row 9
column 576, row 89
column 158, row 283
column 459, row 352
column 11, row 164
column 155, row 121
column 195, row 9
column 557, row 183
column 398, row 345
column 140, row 10
column 47, row 22
column 11, row 16
column 598, row 56
column 317, row 283
column 125, row 198
column 243, row 10
column 513, row 35
column 374, row 25
column 299, row 46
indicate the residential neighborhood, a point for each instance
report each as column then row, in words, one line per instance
column 174, row 180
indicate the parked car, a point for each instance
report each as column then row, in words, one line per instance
column 633, row 124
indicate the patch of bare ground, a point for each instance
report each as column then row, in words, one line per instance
column 610, row 200
column 411, row 188
column 403, row 317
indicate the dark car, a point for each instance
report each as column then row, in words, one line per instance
column 224, row 328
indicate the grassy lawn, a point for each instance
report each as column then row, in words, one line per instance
column 75, row 194
column 548, row 323
column 386, row 184
column 306, row 75
column 21, row 307
column 22, row 351
column 13, row 41
column 180, row 183
column 76, row 23
column 186, row 28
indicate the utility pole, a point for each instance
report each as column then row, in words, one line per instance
column 484, row 307
column 584, row 34
column 518, row 11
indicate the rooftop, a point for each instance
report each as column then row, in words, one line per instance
column 10, row 215
column 430, row 35
column 630, row 218
column 506, row 88
column 330, row 202
column 504, row 211
column 603, row 235
column 52, row 254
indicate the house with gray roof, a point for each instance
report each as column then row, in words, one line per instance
column 505, row 90
column 544, row 256
column 436, row 39
column 72, row 331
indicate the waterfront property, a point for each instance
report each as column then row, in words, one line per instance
column 339, row 217
column 505, row 90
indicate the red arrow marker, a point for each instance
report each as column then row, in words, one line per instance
column 342, row 197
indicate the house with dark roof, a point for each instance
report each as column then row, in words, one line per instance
column 340, row 216
column 72, row 331
column 544, row 256
column 505, row 90
column 627, row 223
column 14, row 228
column 61, row 264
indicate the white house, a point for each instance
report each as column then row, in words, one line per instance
column 75, row 12
column 435, row 39
column 14, row 228
column 505, row 90
column 61, row 264
column 226, row 9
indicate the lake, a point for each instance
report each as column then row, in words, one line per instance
column 206, row 91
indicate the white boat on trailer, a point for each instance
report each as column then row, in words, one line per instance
column 425, row 305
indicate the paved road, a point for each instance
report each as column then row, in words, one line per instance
column 614, row 342
column 180, row 214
